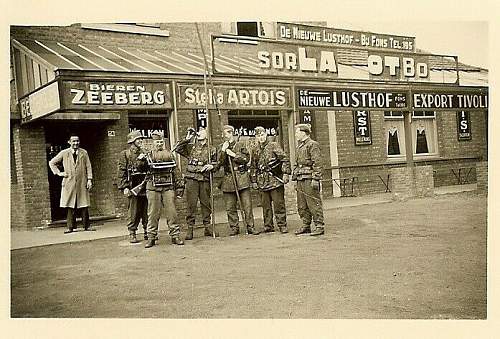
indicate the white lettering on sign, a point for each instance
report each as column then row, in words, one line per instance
column 298, row 62
column 410, row 69
column 472, row 101
column 243, row 97
column 362, row 117
column 111, row 94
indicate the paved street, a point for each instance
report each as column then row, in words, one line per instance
column 419, row 259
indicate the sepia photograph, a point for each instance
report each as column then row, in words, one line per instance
column 249, row 168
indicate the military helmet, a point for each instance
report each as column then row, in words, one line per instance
column 133, row 136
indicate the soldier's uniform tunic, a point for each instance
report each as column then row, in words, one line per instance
column 240, row 167
column 131, row 172
column 308, row 167
column 271, row 188
column 163, row 197
column 197, row 182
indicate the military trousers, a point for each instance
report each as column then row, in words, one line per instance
column 274, row 199
column 157, row 201
column 231, row 201
column 197, row 190
column 309, row 204
column 137, row 211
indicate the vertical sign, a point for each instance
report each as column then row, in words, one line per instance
column 307, row 117
column 463, row 126
column 201, row 118
column 362, row 130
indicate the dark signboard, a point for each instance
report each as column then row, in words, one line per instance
column 362, row 128
column 307, row 117
column 111, row 95
column 343, row 37
column 456, row 100
column 339, row 99
column 201, row 118
column 463, row 126
column 239, row 97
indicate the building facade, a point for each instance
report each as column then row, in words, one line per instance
column 374, row 101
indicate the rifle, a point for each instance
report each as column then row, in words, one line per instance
column 235, row 182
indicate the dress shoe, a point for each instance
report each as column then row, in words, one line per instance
column 68, row 231
column 189, row 233
column 133, row 238
column 150, row 243
column 318, row 231
column 208, row 232
column 234, row 231
column 268, row 230
column 177, row 241
column 303, row 230
column 252, row 231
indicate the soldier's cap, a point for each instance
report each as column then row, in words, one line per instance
column 133, row 136
column 228, row 128
column 260, row 130
column 304, row 127
column 156, row 135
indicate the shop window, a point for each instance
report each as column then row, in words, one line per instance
column 148, row 122
column 245, row 121
column 424, row 134
column 250, row 28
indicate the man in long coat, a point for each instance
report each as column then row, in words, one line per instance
column 76, row 183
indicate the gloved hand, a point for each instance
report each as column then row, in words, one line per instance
column 179, row 192
column 315, row 184
column 207, row 167
column 286, row 178
column 255, row 186
column 126, row 192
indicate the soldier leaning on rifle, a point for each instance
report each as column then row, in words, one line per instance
column 163, row 183
column 131, row 175
column 238, row 153
column 307, row 172
column 270, row 169
column 197, row 176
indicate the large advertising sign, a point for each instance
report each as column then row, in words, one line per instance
column 362, row 128
column 40, row 103
column 278, row 58
column 233, row 97
column 105, row 95
column 451, row 100
column 357, row 99
column 343, row 37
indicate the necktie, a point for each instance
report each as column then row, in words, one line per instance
column 74, row 156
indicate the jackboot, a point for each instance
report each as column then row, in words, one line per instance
column 284, row 229
column 133, row 238
column 318, row 231
column 302, row 230
column 150, row 243
column 252, row 231
column 145, row 235
column 189, row 233
column 177, row 241
column 208, row 231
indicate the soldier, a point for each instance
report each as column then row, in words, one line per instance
column 270, row 172
column 307, row 172
column 237, row 152
column 164, row 182
column 195, row 148
column 131, row 175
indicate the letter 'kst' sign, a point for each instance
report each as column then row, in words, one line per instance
column 79, row 95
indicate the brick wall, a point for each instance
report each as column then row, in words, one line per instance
column 182, row 37
column 31, row 188
column 482, row 177
column 403, row 185
column 424, row 182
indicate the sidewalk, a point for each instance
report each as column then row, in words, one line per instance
column 117, row 228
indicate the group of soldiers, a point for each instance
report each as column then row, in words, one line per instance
column 152, row 181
